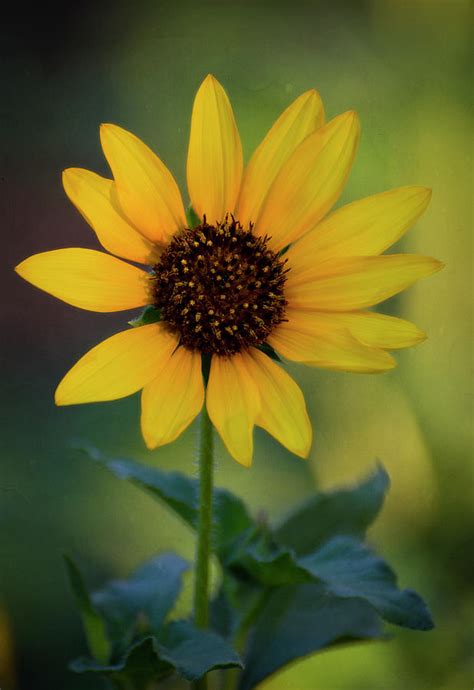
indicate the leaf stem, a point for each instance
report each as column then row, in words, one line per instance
column 204, row 537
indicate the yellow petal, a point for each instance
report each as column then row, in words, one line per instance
column 337, row 350
column 233, row 403
column 118, row 366
column 214, row 168
column 370, row 328
column 310, row 182
column 147, row 192
column 364, row 228
column 94, row 198
column 173, row 399
column 87, row 279
column 299, row 120
column 350, row 284
column 283, row 411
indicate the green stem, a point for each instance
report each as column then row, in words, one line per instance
column 204, row 537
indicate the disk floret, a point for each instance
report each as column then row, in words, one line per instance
column 220, row 288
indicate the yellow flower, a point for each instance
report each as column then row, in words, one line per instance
column 267, row 266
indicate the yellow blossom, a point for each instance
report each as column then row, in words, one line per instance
column 269, row 265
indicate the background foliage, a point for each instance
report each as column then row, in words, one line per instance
column 404, row 65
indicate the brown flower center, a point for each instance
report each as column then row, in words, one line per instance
column 220, row 288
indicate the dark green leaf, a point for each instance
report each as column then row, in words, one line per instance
column 188, row 650
column 234, row 607
column 93, row 624
column 350, row 569
column 345, row 511
column 142, row 601
column 180, row 493
column 138, row 666
column 176, row 490
column 149, row 315
column 232, row 522
column 299, row 620
column 192, row 218
column 194, row 652
column 270, row 568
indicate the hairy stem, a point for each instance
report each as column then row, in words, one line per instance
column 204, row 537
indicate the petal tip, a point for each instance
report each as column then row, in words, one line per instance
column 313, row 97
column 59, row 401
column 310, row 95
column 60, row 395
column 304, row 452
column 350, row 120
column 209, row 81
column 243, row 461
column 150, row 443
column 354, row 119
column 420, row 337
column 427, row 191
column 437, row 265
column 389, row 364
column 348, row 123
column 350, row 116
column 69, row 177
column 423, row 194
column 20, row 268
column 303, row 449
column 107, row 129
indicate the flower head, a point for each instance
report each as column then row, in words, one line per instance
column 264, row 270
column 220, row 288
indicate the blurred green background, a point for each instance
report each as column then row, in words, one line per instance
column 405, row 67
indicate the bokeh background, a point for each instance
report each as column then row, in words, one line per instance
column 404, row 65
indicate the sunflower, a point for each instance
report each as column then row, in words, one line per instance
column 263, row 270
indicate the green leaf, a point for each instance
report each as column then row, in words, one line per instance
column 272, row 567
column 350, row 569
column 173, row 488
column 93, row 624
column 235, row 606
column 232, row 522
column 185, row 649
column 192, row 218
column 345, row 511
column 142, row 601
column 299, row 620
column 194, row 652
column 149, row 315
column 140, row 665
column 180, row 493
